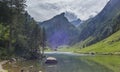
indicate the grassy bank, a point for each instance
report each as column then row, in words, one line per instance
column 110, row 45
column 111, row 62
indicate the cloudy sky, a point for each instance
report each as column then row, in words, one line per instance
column 43, row 10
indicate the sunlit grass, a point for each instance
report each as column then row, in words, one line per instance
column 108, row 45
column 111, row 62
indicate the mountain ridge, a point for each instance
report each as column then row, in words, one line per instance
column 102, row 25
column 59, row 31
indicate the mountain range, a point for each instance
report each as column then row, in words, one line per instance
column 59, row 31
column 101, row 26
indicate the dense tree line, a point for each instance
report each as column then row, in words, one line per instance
column 20, row 35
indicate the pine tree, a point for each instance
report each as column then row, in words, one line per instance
column 43, row 41
column 16, row 8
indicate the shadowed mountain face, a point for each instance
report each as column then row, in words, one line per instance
column 76, row 22
column 59, row 31
column 103, row 25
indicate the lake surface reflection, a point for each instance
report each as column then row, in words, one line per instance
column 74, row 63
column 68, row 62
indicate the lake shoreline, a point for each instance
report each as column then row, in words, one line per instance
column 85, row 53
column 100, row 53
column 56, row 54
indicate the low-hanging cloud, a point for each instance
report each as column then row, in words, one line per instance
column 43, row 10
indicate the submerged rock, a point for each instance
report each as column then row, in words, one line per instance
column 51, row 60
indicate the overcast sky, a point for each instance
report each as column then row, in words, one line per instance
column 43, row 10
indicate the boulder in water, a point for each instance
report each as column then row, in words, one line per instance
column 51, row 60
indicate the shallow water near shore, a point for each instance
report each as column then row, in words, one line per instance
column 69, row 62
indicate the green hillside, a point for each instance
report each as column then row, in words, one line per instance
column 108, row 45
column 101, row 26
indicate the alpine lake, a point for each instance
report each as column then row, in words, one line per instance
column 69, row 62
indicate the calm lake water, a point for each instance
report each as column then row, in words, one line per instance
column 68, row 62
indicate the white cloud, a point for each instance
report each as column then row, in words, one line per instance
column 45, row 9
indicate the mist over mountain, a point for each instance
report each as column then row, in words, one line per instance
column 71, row 16
column 43, row 10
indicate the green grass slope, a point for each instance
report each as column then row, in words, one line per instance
column 108, row 45
column 111, row 62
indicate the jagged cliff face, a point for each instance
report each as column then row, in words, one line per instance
column 59, row 31
column 103, row 25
